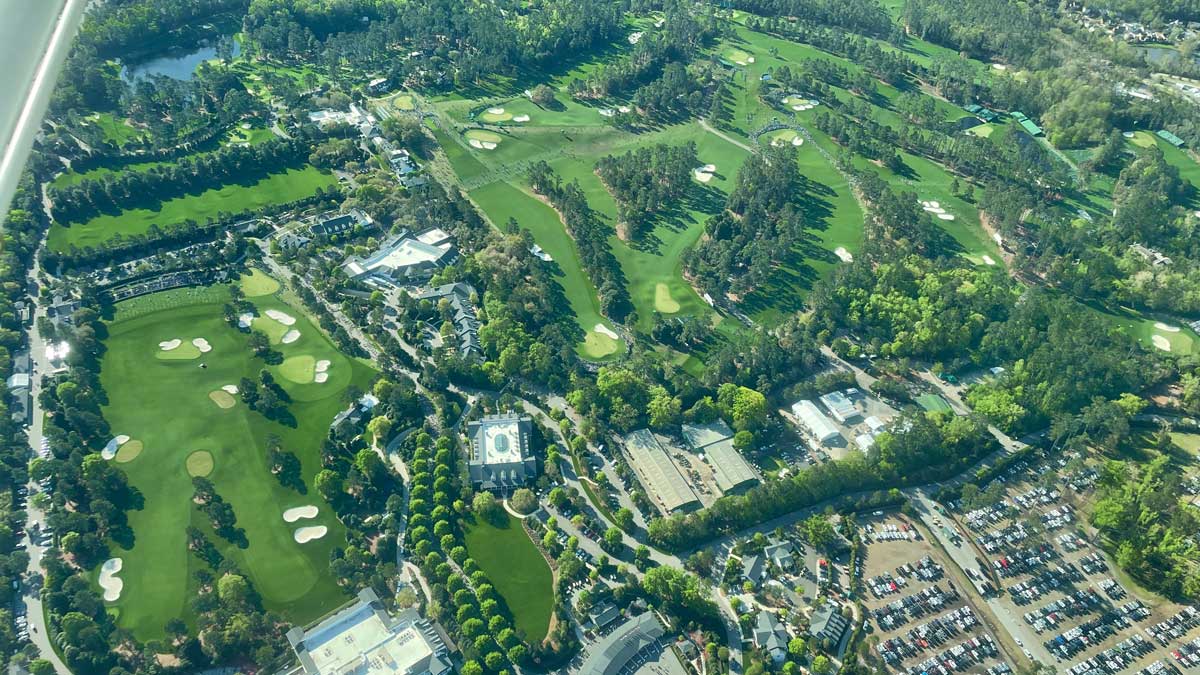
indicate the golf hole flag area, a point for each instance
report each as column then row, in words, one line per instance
column 177, row 419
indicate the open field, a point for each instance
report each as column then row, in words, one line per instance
column 518, row 570
column 277, row 188
column 167, row 406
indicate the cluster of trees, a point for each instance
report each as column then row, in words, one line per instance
column 220, row 512
column 115, row 192
column 1147, row 524
column 448, row 43
column 591, row 238
column 922, row 447
column 647, row 182
column 285, row 465
column 764, row 219
column 266, row 396
column 865, row 17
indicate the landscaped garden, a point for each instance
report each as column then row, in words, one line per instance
column 516, row 567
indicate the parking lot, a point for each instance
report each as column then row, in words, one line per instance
column 1053, row 582
column 920, row 615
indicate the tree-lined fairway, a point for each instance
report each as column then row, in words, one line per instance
column 517, row 569
column 501, row 201
column 166, row 405
column 278, row 188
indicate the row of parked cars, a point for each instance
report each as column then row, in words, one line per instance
column 1114, row 659
column 1043, row 582
column 914, row 606
column 1095, row 631
column 1080, row 603
column 967, row 654
column 1175, row 627
column 1024, row 560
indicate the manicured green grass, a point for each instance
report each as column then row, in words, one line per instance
column 502, row 201
column 518, row 571
column 461, row 160
column 257, row 283
column 277, row 188
column 1144, row 328
column 1189, row 442
column 166, row 405
column 115, row 131
column 933, row 403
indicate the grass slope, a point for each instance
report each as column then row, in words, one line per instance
column 166, row 406
column 518, row 570
column 278, row 188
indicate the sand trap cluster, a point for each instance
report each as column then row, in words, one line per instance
column 623, row 109
column 290, row 336
column 605, row 330
column 937, row 210
column 635, row 38
column 1164, row 327
column 321, row 371
column 843, row 254
column 300, row 512
column 304, row 535
column 521, row 118
column 168, row 345
column 245, row 320
column 110, row 448
column 108, row 579
column 987, row 260
column 282, row 317
column 495, row 111
column 230, row 388
column 1161, row 342
column 705, row 173
column 607, row 112
column 481, row 145
column 202, row 345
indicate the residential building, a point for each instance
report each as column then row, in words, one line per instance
column 466, row 324
column 357, row 413
column 340, row 223
column 754, row 568
column 500, row 457
column 770, row 636
column 781, row 554
column 618, row 649
column 363, row 639
column 658, row 473
column 827, row 623
column 378, row 86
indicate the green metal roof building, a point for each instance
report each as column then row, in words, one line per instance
column 1170, row 138
column 1026, row 123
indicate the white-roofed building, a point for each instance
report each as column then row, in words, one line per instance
column 500, row 456
column 658, row 473
column 404, row 258
column 814, row 421
column 362, row 639
column 875, row 424
column 840, row 406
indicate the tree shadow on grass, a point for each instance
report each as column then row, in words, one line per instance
column 679, row 215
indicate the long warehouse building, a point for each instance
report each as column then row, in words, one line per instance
column 658, row 473
column 811, row 418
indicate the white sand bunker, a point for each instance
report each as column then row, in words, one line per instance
column 487, row 145
column 945, row 216
column 321, row 371
column 108, row 580
column 299, row 512
column 703, row 176
column 624, row 109
column 987, row 260
column 607, row 112
column 741, row 62
column 711, row 168
column 798, row 141
column 230, row 389
column 841, row 252
column 290, row 336
column 605, row 330
column 307, row 534
column 168, row 345
column 281, row 317
column 495, row 111
column 322, row 365
column 321, row 378
column 202, row 345
column 1161, row 342
column 110, row 448
column 475, row 143
column 521, row 118
column 245, row 320
column 749, row 59
column 1162, row 326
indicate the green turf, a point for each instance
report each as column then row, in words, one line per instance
column 501, row 201
column 115, row 131
column 518, row 571
column 166, row 405
column 1144, row 329
column 933, row 403
column 184, row 352
column 257, row 283
column 278, row 188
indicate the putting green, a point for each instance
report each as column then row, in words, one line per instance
column 738, row 56
column 663, row 301
column 299, row 369
column 169, row 409
column 200, row 463
column 481, row 139
column 599, row 346
column 491, row 116
column 274, row 330
column 256, row 284
column 184, row 352
column 222, row 398
column 1143, row 139
column 128, row 452
column 782, row 137
column 983, row 130
column 404, row 102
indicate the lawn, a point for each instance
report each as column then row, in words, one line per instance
column 277, row 188
column 502, row 201
column 519, row 572
column 1149, row 331
column 166, row 405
